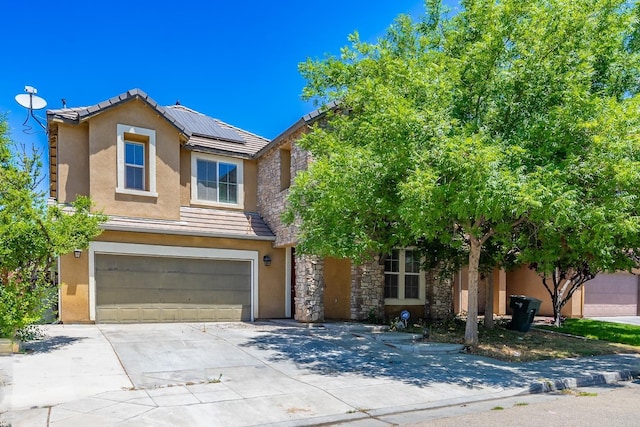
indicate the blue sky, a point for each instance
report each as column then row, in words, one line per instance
column 233, row 60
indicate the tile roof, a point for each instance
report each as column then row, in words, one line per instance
column 199, row 222
column 305, row 120
column 80, row 114
column 203, row 133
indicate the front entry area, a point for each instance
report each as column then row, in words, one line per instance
column 162, row 287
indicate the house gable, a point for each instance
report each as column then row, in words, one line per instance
column 278, row 164
column 134, row 123
column 82, row 114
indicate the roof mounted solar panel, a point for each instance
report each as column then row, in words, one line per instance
column 199, row 124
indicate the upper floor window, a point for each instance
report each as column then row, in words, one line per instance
column 134, row 165
column 136, row 157
column 216, row 180
column 403, row 279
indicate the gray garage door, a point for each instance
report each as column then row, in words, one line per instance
column 160, row 289
column 611, row 295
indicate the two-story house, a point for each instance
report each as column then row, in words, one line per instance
column 186, row 195
column 184, row 241
column 194, row 230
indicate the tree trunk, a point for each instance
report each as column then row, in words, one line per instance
column 556, row 299
column 488, row 304
column 556, row 316
column 471, row 329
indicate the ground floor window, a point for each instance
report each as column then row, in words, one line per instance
column 403, row 279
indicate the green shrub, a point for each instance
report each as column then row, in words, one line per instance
column 22, row 304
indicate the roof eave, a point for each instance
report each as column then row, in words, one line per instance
column 142, row 229
column 278, row 139
column 208, row 150
column 89, row 112
column 305, row 120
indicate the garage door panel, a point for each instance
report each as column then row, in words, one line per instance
column 139, row 296
column 611, row 295
column 156, row 289
column 134, row 314
column 149, row 264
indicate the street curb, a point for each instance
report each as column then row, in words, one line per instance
column 428, row 348
column 354, row 327
column 546, row 386
column 364, row 416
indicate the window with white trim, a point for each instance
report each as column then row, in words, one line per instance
column 403, row 279
column 136, row 158
column 134, row 165
column 216, row 180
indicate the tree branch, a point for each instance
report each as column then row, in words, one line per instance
column 544, row 282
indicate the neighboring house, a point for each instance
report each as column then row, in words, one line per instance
column 194, row 230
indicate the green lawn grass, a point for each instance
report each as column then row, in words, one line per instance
column 604, row 331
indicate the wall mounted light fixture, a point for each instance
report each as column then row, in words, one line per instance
column 267, row 260
column 77, row 253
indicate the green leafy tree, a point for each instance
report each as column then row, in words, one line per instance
column 32, row 235
column 458, row 129
column 594, row 224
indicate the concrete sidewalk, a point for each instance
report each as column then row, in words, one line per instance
column 257, row 374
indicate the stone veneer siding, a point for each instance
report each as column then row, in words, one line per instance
column 272, row 199
column 367, row 290
column 439, row 296
column 309, row 285
column 309, row 299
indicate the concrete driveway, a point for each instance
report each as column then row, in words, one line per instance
column 244, row 374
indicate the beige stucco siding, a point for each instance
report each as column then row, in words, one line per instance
column 250, row 185
column 522, row 281
column 103, row 163
column 525, row 281
column 72, row 162
column 185, row 177
column 74, row 288
column 271, row 279
column 272, row 282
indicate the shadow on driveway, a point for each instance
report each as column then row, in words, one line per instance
column 329, row 352
column 49, row 344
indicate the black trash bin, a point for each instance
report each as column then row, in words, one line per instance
column 524, row 309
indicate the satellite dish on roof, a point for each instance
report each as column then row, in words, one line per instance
column 30, row 99
column 31, row 102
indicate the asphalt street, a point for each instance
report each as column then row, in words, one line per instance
column 612, row 406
